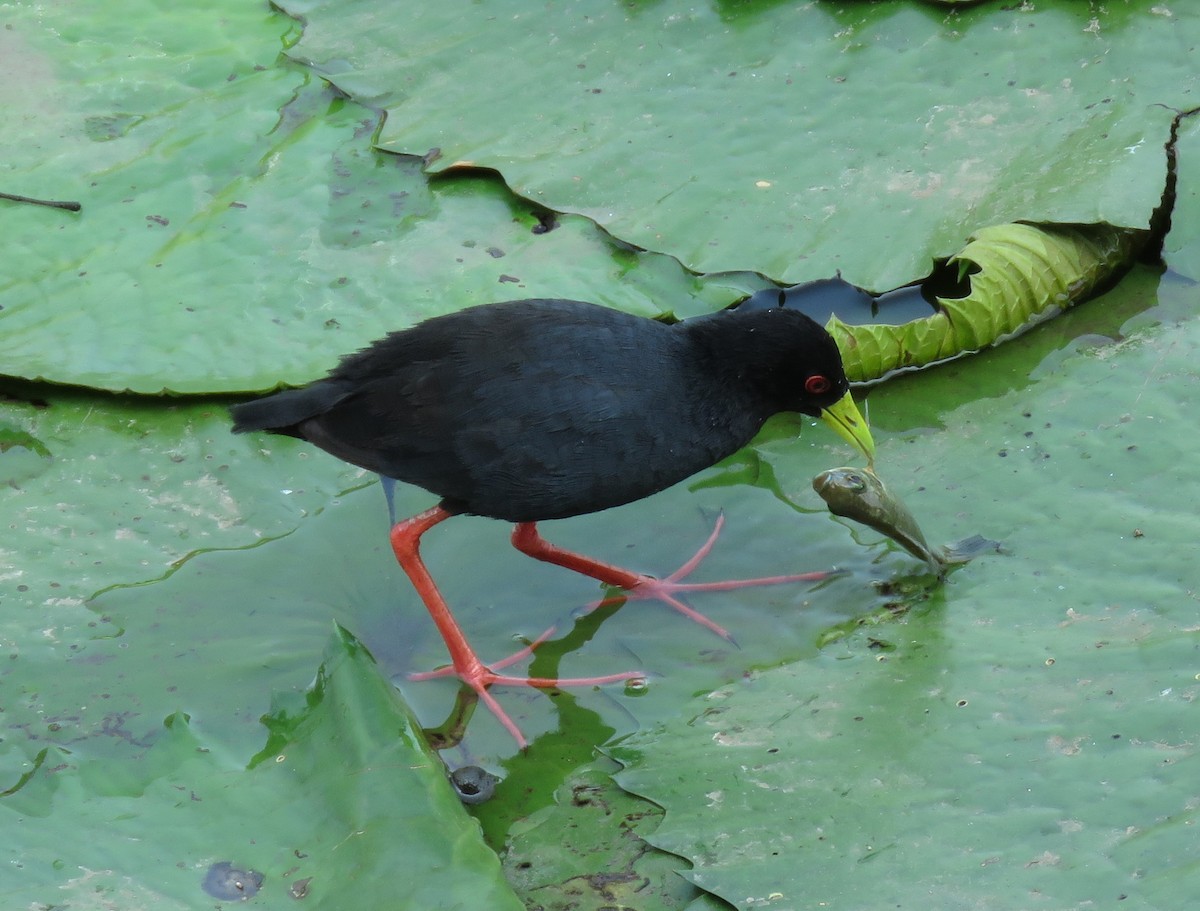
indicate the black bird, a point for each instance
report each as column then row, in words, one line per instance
column 543, row 409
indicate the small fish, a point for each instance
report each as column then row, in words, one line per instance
column 859, row 494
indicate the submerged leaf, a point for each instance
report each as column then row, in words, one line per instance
column 1026, row 273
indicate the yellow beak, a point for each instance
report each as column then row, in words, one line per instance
column 847, row 423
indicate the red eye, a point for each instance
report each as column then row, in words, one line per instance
column 817, row 385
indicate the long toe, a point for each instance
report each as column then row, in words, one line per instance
column 641, row 587
column 482, row 683
column 480, row 678
column 671, row 589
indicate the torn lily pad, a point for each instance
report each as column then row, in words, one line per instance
column 1026, row 273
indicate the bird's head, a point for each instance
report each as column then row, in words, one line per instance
column 808, row 376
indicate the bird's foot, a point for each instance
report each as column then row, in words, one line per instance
column 480, row 677
column 465, row 664
column 668, row 590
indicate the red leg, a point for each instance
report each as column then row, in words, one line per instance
column 406, row 542
column 638, row 586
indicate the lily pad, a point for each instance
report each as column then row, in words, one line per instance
column 172, row 820
column 237, row 231
column 788, row 140
column 1021, row 275
column 849, row 782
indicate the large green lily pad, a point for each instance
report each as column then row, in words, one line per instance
column 790, row 140
column 237, row 230
column 991, row 783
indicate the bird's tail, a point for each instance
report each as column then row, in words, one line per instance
column 283, row 411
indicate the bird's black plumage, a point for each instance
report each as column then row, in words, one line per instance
column 543, row 409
